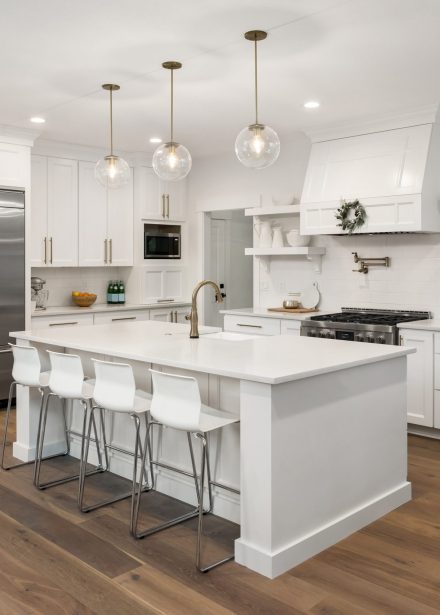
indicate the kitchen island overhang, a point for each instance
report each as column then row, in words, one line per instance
column 321, row 449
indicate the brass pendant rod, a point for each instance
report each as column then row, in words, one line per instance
column 172, row 105
column 111, row 122
column 256, row 81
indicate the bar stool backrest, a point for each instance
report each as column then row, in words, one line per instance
column 115, row 387
column 27, row 365
column 176, row 401
column 66, row 375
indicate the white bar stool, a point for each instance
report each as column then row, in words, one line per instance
column 115, row 391
column 176, row 403
column 26, row 371
column 66, row 381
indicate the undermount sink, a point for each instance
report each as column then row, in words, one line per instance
column 229, row 336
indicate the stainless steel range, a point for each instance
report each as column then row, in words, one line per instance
column 360, row 325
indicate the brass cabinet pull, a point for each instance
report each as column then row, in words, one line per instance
column 110, row 242
column 124, row 318
column 60, row 324
column 250, row 326
column 51, row 250
column 45, row 250
column 168, row 205
column 105, row 251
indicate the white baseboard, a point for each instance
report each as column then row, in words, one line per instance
column 26, row 453
column 273, row 564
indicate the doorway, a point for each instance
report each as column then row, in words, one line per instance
column 227, row 234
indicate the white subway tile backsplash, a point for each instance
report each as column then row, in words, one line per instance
column 411, row 282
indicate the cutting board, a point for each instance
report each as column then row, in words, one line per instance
column 292, row 310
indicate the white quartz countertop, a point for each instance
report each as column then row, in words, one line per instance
column 267, row 359
column 430, row 324
column 263, row 312
column 105, row 307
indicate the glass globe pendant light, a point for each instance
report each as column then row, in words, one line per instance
column 257, row 146
column 172, row 161
column 112, row 171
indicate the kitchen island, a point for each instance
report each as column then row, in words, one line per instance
column 320, row 451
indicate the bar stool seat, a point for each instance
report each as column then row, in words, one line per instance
column 66, row 381
column 177, row 404
column 26, row 371
column 115, row 391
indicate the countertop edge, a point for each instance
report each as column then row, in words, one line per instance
column 103, row 308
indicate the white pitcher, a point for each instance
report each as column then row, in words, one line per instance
column 277, row 239
column 264, row 233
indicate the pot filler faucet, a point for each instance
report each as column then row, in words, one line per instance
column 193, row 316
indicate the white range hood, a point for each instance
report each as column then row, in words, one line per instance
column 394, row 171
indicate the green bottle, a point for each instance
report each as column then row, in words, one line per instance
column 109, row 292
column 115, row 292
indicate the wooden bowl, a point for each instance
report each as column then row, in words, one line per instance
column 85, row 301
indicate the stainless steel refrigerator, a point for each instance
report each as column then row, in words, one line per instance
column 12, row 279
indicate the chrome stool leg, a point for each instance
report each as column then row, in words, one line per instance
column 5, row 434
column 138, row 449
column 205, row 462
column 40, row 448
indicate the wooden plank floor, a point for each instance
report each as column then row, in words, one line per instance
column 54, row 560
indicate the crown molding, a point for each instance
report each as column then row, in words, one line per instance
column 421, row 115
column 18, row 136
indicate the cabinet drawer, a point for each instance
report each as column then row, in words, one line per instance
column 252, row 324
column 68, row 320
column 290, row 327
column 437, row 343
column 121, row 316
column 437, row 371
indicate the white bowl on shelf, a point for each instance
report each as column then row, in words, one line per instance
column 283, row 200
column 295, row 240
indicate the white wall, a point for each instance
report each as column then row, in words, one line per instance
column 411, row 282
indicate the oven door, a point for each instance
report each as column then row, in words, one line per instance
column 163, row 245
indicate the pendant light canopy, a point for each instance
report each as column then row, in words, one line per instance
column 172, row 161
column 257, row 146
column 112, row 171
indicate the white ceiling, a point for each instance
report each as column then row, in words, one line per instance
column 359, row 58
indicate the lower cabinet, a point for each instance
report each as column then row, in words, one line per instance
column 65, row 320
column 420, row 401
column 260, row 325
column 170, row 314
column 290, row 327
column 123, row 315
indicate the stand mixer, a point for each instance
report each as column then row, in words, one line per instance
column 39, row 294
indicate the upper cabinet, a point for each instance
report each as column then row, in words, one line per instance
column 388, row 171
column 14, row 165
column 54, row 212
column 160, row 200
column 74, row 220
column 105, row 221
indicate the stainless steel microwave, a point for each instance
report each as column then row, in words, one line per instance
column 162, row 241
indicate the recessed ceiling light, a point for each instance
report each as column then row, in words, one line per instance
column 38, row 120
column 311, row 104
column 155, row 140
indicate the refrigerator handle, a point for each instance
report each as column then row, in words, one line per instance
column 6, row 350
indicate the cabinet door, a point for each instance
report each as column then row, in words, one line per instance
column 174, row 196
column 290, row 327
column 38, row 211
column 164, row 315
column 14, row 165
column 121, row 316
column 62, row 212
column 92, row 227
column 181, row 313
column 120, row 224
column 420, row 402
column 148, row 194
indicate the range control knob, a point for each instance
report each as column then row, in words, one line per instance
column 359, row 338
column 380, row 339
column 329, row 335
column 370, row 339
column 311, row 334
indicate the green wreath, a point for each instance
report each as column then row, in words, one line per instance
column 348, row 222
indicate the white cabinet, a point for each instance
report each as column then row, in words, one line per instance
column 170, row 314
column 14, row 165
column 161, row 283
column 66, row 320
column 54, row 214
column 105, row 221
column 254, row 325
column 420, row 401
column 159, row 200
column 290, row 327
column 120, row 316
